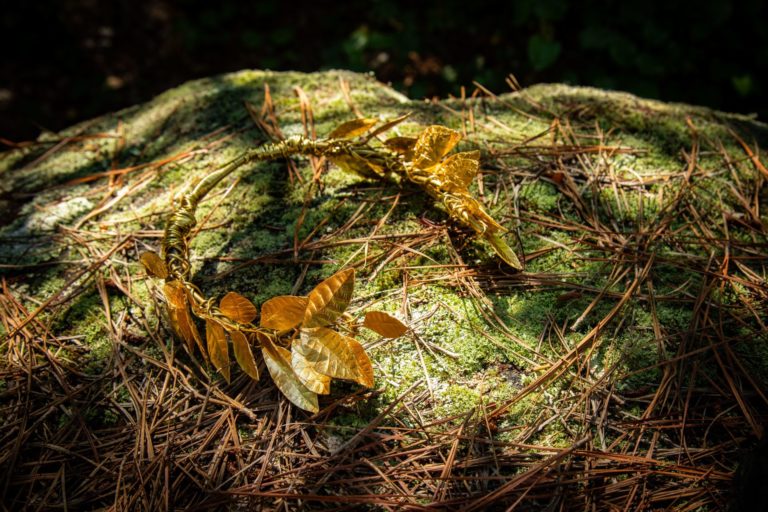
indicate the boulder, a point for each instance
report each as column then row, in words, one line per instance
column 627, row 363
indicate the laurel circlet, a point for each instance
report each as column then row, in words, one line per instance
column 315, row 353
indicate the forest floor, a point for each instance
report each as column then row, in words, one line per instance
column 626, row 368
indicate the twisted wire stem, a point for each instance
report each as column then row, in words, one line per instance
column 182, row 221
column 356, row 156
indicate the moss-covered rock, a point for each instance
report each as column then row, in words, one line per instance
column 594, row 185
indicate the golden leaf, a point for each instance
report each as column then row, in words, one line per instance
column 283, row 312
column 154, row 264
column 329, row 299
column 217, row 347
column 433, row 144
column 305, row 371
column 278, row 363
column 502, row 249
column 335, row 355
column 175, row 294
column 473, row 207
column 352, row 128
column 384, row 324
column 389, row 125
column 457, row 171
column 355, row 165
column 243, row 354
column 401, row 145
column 181, row 318
column 237, row 308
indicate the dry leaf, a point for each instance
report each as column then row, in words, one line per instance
column 384, row 324
column 175, row 294
column 278, row 363
column 457, row 171
column 283, row 312
column 476, row 210
column 217, row 347
column 243, row 354
column 305, row 371
column 154, row 264
column 181, row 319
column 237, row 308
column 335, row 355
column 433, row 144
column 329, row 299
column 352, row 128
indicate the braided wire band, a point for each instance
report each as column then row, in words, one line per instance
column 353, row 155
column 299, row 346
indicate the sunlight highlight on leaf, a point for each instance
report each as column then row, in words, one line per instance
column 283, row 312
column 384, row 324
column 352, row 128
column 181, row 318
column 329, row 299
column 305, row 370
column 335, row 355
column 243, row 354
column 433, row 144
column 457, row 171
column 217, row 347
column 278, row 360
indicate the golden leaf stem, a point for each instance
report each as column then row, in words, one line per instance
column 182, row 220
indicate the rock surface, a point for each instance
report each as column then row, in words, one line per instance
column 634, row 216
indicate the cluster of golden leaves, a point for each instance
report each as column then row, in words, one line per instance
column 299, row 345
column 427, row 162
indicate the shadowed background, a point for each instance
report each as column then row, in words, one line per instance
column 66, row 61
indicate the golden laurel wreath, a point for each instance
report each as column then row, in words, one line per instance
column 301, row 349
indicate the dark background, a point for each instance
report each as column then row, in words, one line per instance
column 68, row 60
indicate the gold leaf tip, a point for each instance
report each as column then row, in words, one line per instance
column 503, row 250
column 154, row 264
column 384, row 324
column 329, row 299
column 353, row 128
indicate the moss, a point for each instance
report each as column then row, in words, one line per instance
column 85, row 320
column 456, row 400
column 539, row 195
column 122, row 395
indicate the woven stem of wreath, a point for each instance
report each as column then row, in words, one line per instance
column 368, row 161
column 182, row 222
